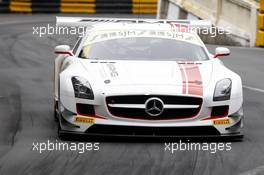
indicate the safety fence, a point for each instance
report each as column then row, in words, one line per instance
column 260, row 32
column 79, row 6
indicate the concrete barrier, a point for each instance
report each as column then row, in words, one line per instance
column 80, row 6
column 261, row 21
column 260, row 33
column 238, row 16
column 261, row 6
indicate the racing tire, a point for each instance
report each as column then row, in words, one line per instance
column 55, row 111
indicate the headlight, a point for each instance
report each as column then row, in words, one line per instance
column 223, row 90
column 82, row 88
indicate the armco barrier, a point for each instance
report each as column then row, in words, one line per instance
column 260, row 33
column 80, row 6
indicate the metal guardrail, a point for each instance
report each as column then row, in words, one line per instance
column 80, row 6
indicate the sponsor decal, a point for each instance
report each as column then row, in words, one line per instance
column 81, row 119
column 221, row 122
column 115, row 34
column 112, row 69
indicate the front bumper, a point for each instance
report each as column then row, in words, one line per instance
column 191, row 131
column 147, row 138
column 229, row 126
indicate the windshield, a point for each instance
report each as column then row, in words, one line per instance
column 144, row 48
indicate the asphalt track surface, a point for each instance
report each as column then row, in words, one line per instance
column 26, row 69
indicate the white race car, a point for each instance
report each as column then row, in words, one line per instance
column 129, row 77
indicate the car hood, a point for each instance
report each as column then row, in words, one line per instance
column 149, row 72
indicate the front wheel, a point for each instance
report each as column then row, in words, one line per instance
column 60, row 134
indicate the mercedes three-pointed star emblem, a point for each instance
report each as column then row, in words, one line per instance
column 154, row 106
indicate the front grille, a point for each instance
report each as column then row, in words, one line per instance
column 140, row 113
column 152, row 131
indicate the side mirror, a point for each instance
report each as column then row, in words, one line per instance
column 221, row 51
column 63, row 49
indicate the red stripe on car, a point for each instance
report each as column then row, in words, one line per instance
column 193, row 79
column 182, row 69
